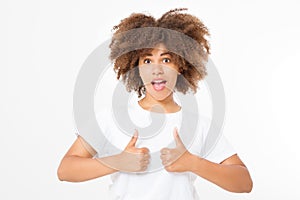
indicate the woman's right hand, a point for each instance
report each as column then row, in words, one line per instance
column 132, row 159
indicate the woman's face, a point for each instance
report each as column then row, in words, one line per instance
column 158, row 72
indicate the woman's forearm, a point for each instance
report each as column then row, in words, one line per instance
column 78, row 169
column 233, row 178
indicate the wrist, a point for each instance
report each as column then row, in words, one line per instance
column 110, row 162
column 194, row 163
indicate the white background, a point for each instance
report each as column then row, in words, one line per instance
column 254, row 44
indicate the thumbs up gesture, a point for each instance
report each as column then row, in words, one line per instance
column 133, row 159
column 177, row 159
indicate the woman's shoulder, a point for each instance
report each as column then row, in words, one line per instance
column 202, row 119
column 104, row 115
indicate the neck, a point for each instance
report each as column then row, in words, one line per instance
column 168, row 104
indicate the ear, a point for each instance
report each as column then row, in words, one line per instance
column 180, row 70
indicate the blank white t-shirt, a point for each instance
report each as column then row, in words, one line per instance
column 157, row 183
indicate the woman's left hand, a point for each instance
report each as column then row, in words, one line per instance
column 178, row 159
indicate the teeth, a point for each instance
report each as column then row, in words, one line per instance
column 158, row 81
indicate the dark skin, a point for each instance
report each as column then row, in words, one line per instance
column 231, row 174
column 78, row 163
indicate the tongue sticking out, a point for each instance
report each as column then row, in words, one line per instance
column 159, row 86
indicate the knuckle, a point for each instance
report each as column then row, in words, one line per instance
column 146, row 156
column 164, row 151
column 144, row 150
column 139, row 151
column 141, row 161
column 169, row 168
column 142, row 168
column 140, row 157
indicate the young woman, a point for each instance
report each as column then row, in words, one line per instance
column 155, row 73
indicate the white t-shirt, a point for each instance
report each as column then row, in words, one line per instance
column 157, row 184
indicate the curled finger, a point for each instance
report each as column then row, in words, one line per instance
column 165, row 151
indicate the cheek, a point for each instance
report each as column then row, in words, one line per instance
column 172, row 81
column 144, row 74
column 172, row 75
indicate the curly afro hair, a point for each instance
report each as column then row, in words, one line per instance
column 127, row 47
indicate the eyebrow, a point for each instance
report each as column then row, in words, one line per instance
column 165, row 53
column 162, row 54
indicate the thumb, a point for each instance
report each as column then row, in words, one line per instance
column 133, row 139
column 176, row 137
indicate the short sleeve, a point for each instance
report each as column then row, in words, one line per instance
column 92, row 133
column 86, row 145
column 221, row 151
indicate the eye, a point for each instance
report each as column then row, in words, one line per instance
column 147, row 61
column 166, row 60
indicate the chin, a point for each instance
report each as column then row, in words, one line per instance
column 161, row 95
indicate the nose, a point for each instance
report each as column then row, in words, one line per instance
column 157, row 69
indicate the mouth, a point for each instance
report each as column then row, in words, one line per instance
column 158, row 84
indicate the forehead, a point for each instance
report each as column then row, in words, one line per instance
column 159, row 48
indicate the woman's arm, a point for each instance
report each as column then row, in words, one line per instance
column 79, row 165
column 231, row 174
